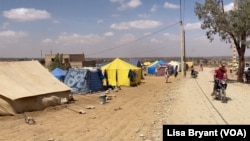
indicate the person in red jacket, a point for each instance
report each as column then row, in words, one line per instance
column 219, row 74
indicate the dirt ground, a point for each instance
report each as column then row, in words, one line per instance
column 133, row 113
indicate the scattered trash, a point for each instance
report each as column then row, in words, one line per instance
column 109, row 98
column 107, row 91
column 116, row 109
column 82, row 112
column 30, row 120
column 51, row 139
column 90, row 107
column 102, row 98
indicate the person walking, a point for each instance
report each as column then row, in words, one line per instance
column 201, row 67
column 166, row 74
column 176, row 71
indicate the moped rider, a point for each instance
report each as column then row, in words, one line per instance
column 193, row 72
column 219, row 74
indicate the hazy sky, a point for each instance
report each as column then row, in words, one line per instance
column 104, row 28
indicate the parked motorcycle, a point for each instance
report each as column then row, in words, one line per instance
column 220, row 93
column 247, row 76
column 194, row 74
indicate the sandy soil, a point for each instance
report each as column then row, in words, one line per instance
column 134, row 113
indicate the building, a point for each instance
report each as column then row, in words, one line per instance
column 74, row 60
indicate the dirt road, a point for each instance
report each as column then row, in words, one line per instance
column 133, row 113
column 194, row 105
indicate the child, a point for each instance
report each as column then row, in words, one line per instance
column 166, row 74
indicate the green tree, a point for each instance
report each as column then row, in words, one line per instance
column 57, row 63
column 232, row 26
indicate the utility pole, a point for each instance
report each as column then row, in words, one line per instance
column 182, row 46
column 41, row 54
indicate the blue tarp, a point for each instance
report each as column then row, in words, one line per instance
column 78, row 80
column 135, row 62
column 95, row 82
column 153, row 66
column 59, row 73
column 84, row 80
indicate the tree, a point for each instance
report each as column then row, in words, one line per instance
column 57, row 63
column 232, row 26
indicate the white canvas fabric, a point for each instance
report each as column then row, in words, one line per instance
column 24, row 85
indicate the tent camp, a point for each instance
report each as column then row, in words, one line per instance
column 174, row 64
column 146, row 63
column 95, row 79
column 59, row 73
column 121, row 73
column 190, row 64
column 135, row 62
column 84, row 80
column 157, row 67
column 27, row 86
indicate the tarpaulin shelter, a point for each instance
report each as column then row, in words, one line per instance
column 190, row 64
column 174, row 64
column 27, row 86
column 84, row 80
column 59, row 73
column 147, row 63
column 121, row 73
column 157, row 67
column 135, row 62
column 95, row 79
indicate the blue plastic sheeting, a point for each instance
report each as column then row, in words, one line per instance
column 84, row 80
column 135, row 62
column 95, row 82
column 152, row 67
column 78, row 81
column 59, row 73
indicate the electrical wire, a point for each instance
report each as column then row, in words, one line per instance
column 141, row 38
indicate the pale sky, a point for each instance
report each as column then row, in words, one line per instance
column 104, row 28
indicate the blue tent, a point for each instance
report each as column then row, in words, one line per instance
column 95, row 79
column 159, row 63
column 135, row 62
column 84, row 80
column 59, row 73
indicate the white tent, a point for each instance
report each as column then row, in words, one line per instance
column 27, row 86
column 175, row 63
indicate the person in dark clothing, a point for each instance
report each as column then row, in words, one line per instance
column 176, row 71
column 247, row 75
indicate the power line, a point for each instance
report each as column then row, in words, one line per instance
column 116, row 47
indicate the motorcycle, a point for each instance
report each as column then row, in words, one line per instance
column 220, row 93
column 194, row 74
column 247, row 76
